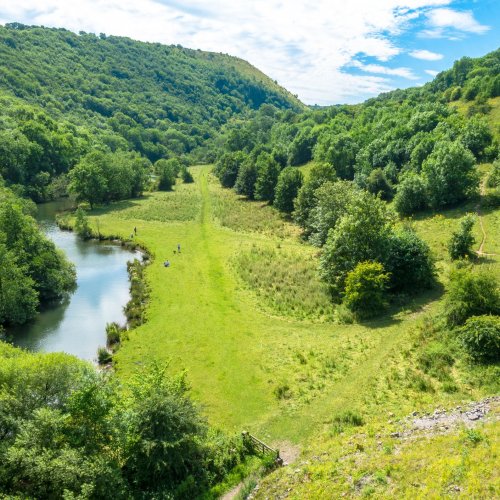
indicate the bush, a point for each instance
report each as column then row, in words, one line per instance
column 480, row 337
column 365, row 289
column 287, row 188
column 103, row 356
column 82, row 226
column 411, row 195
column 461, row 241
column 409, row 262
column 450, row 174
column 471, row 293
column 494, row 177
column 378, row 184
column 186, row 175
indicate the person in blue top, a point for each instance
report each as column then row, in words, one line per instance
column 166, row 263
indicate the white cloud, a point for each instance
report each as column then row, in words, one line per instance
column 303, row 45
column 383, row 70
column 426, row 55
column 431, row 72
column 452, row 24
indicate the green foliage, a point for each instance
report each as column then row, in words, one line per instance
column 186, row 176
column 365, row 289
column 82, row 226
column 103, row 356
column 409, row 262
column 339, row 151
column 462, row 240
column 288, row 185
column 477, row 136
column 471, row 293
column 378, row 184
column 411, row 195
column 450, row 174
column 480, row 337
column 167, row 171
column 247, row 177
column 68, row 430
column 32, row 269
column 306, row 197
column 360, row 235
column 101, row 177
column 494, row 177
column 267, row 177
column 228, row 166
column 160, row 101
column 331, row 201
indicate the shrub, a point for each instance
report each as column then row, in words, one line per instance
column 450, row 174
column 470, row 293
column 411, row 195
column 409, row 262
column 365, row 289
column 113, row 334
column 287, row 188
column 186, row 175
column 378, row 184
column 103, row 356
column 461, row 241
column 82, row 226
column 494, row 177
column 480, row 337
column 247, row 177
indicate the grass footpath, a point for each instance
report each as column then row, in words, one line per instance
column 252, row 365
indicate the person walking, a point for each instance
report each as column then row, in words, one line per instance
column 178, row 247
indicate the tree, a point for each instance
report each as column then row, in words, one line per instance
column 166, row 173
column 288, row 185
column 470, row 293
column 363, row 234
column 82, row 226
column 267, row 177
column 409, row 262
column 18, row 297
column 247, row 177
column 306, row 199
column 228, row 166
column 165, row 433
column 186, row 176
column 462, row 240
column 377, row 184
column 88, row 180
column 411, row 195
column 300, row 151
column 450, row 174
column 338, row 151
column 332, row 201
column 476, row 136
column 365, row 289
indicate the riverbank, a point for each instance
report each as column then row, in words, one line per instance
column 77, row 324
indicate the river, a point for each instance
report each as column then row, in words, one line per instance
column 77, row 324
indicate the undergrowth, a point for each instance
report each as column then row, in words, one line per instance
column 286, row 282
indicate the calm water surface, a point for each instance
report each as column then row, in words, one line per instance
column 77, row 324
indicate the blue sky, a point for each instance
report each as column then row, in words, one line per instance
column 326, row 51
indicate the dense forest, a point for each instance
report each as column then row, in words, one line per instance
column 63, row 95
column 103, row 119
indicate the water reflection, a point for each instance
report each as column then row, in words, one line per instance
column 77, row 324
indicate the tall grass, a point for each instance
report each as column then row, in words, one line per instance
column 286, row 282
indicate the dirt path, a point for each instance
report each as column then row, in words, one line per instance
column 480, row 252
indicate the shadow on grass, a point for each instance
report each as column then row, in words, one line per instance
column 118, row 206
column 412, row 305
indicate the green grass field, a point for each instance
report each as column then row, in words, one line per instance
column 273, row 364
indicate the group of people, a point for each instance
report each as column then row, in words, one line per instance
column 167, row 262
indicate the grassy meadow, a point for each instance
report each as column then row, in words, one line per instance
column 242, row 311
